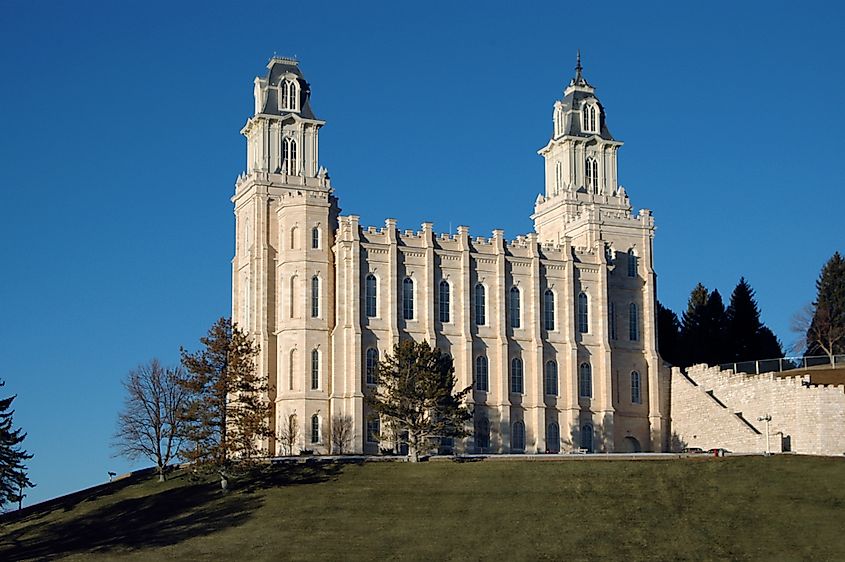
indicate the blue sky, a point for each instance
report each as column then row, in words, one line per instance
column 120, row 145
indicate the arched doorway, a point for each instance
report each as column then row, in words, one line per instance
column 632, row 445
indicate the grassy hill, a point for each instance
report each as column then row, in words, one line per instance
column 740, row 508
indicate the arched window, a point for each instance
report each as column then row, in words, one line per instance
column 444, row 301
column 587, row 437
column 583, row 313
column 373, row 430
column 633, row 323
column 518, row 437
column 558, row 177
column 481, row 380
column 315, row 369
column 513, row 307
column 553, row 438
column 370, row 292
column 591, row 175
column 635, row 388
column 315, row 428
column 482, row 434
column 315, row 297
column 290, row 163
column 549, row 309
column 291, row 369
column 551, row 377
column 294, row 243
column 480, row 305
column 632, row 263
column 290, row 95
column 611, row 317
column 371, row 362
column 292, row 295
column 315, row 238
column 408, row 298
column 590, row 118
column 516, row 375
column 585, row 381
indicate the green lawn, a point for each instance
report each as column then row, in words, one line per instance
column 742, row 508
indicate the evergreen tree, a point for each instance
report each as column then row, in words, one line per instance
column 693, row 326
column 715, row 343
column 13, row 477
column 669, row 336
column 227, row 416
column 415, row 394
column 749, row 338
column 826, row 333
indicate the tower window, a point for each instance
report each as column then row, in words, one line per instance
column 444, row 301
column 516, row 375
column 315, row 369
column 371, row 364
column 370, row 289
column 549, row 310
column 290, row 163
column 513, row 307
column 481, row 380
column 315, row 428
column 290, row 95
column 633, row 323
column 480, row 305
column 590, row 118
column 635, row 388
column 632, row 263
column 583, row 313
column 585, row 381
column 315, row 238
column 408, row 298
column 612, row 320
column 551, row 378
column 315, row 297
column 591, row 174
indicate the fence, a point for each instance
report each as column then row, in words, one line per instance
column 786, row 364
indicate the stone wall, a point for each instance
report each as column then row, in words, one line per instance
column 714, row 408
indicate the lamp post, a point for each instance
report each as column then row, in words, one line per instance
column 767, row 418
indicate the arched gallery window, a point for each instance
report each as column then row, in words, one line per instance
column 408, row 298
column 585, row 381
column 443, row 305
column 516, row 375
column 481, row 380
column 549, row 309
column 480, row 305
column 583, row 313
column 551, row 378
column 370, row 294
column 513, row 307
column 371, row 361
column 518, row 436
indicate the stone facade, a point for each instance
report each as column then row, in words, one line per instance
column 713, row 408
column 555, row 329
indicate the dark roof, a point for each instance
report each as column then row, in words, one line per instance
column 573, row 101
column 278, row 67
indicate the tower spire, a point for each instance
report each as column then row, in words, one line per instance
column 578, row 67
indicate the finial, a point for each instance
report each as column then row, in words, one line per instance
column 578, row 67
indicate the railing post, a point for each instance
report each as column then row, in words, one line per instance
column 780, row 365
column 757, row 367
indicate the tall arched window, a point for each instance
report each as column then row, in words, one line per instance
column 291, row 369
column 315, row 428
column 611, row 317
column 553, row 438
column 292, row 295
column 481, row 380
column 513, row 307
column 294, row 242
column 590, row 118
column 371, row 361
column 635, row 388
column 518, row 437
column 315, row 238
column 549, row 309
column 587, row 437
column 632, row 263
column 551, row 378
column 444, row 301
column 591, row 174
column 516, row 375
column 583, row 313
column 585, row 381
column 633, row 323
column 290, row 162
column 370, row 293
column 373, row 430
column 480, row 305
column 408, row 298
column 290, row 95
column 315, row 297
column 482, row 434
column 315, row 369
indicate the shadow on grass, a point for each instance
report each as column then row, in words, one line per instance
column 158, row 519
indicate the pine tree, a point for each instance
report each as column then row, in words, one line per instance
column 749, row 338
column 826, row 333
column 13, row 476
column 715, row 343
column 669, row 336
column 227, row 414
column 693, row 326
column 415, row 394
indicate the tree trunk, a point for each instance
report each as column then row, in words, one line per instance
column 161, row 476
column 224, row 483
column 413, row 449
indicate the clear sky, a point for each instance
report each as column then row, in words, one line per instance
column 120, row 144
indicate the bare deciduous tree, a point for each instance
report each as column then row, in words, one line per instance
column 150, row 424
column 816, row 329
column 288, row 434
column 342, row 429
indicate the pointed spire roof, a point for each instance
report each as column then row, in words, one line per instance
column 579, row 77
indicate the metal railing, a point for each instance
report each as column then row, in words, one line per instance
column 786, row 364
